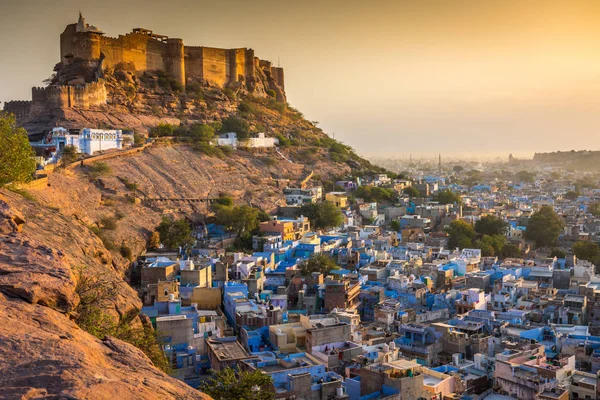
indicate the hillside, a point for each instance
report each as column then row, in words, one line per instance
column 573, row 160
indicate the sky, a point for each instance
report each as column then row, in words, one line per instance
column 386, row 77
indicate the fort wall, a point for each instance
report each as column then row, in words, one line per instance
column 148, row 52
column 20, row 108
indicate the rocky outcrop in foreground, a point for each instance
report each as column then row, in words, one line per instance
column 43, row 353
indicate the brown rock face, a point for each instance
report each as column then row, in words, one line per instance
column 43, row 353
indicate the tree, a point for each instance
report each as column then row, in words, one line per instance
column 375, row 193
column 525, row 176
column 587, row 251
column 68, row 155
column 322, row 215
column 594, row 209
column 544, row 227
column 558, row 253
column 412, row 192
column 571, row 195
column 202, row 132
column 175, row 233
column 447, row 197
column 240, row 219
column 395, row 225
column 17, row 162
column 511, row 250
column 458, row 169
column 491, row 245
column 491, row 225
column 226, row 384
column 237, row 125
column 162, row 129
column 317, row 263
column 461, row 234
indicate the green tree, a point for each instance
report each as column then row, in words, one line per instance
column 412, row 192
column 525, row 176
column 226, row 384
column 458, row 169
column 461, row 234
column 491, row 245
column 586, row 251
column 395, row 225
column 544, row 226
column 317, row 263
column 572, row 195
column 594, row 208
column 202, row 132
column 375, row 193
column 68, row 155
column 237, row 125
column 558, row 253
column 490, row 225
column 511, row 250
column 175, row 233
column 17, row 162
column 162, row 129
column 240, row 219
column 322, row 215
column 447, row 197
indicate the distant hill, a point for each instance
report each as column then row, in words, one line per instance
column 584, row 160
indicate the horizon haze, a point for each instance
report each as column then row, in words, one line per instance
column 387, row 78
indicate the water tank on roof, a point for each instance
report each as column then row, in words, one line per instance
column 392, row 346
column 279, row 331
column 339, row 392
column 171, row 297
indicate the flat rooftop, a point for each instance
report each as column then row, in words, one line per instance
column 228, row 349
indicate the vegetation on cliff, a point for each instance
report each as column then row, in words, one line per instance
column 17, row 163
column 227, row 384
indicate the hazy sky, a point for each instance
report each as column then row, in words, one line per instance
column 386, row 76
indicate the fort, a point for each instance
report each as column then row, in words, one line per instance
column 148, row 51
column 143, row 51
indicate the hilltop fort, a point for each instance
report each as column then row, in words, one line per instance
column 90, row 59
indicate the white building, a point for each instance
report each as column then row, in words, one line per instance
column 88, row 141
column 228, row 139
column 261, row 141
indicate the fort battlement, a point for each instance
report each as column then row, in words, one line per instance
column 20, row 108
column 59, row 96
column 148, row 51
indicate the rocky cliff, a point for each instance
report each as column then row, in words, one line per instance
column 43, row 353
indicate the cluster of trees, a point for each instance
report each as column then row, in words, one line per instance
column 587, row 251
column 17, row 162
column 544, row 226
column 197, row 132
column 318, row 263
column 243, row 220
column 227, row 384
column 594, row 209
column 322, row 215
column 447, row 197
column 488, row 234
column 412, row 192
column 375, row 193
column 172, row 234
